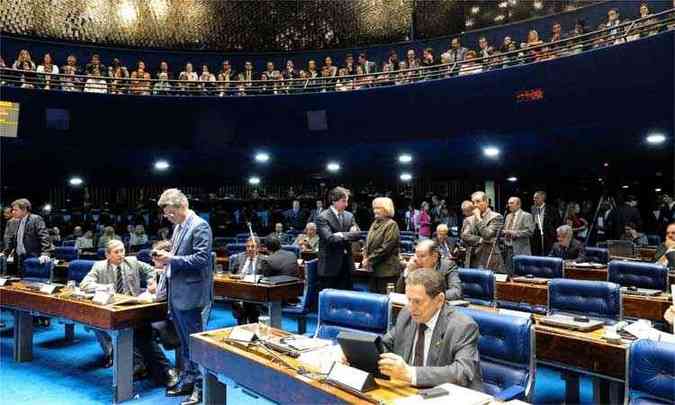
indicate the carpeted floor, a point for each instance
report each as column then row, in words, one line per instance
column 69, row 373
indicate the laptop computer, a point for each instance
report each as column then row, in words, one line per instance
column 275, row 280
column 572, row 323
column 647, row 292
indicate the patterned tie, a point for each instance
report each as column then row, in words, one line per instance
column 20, row 248
column 419, row 346
column 512, row 220
column 119, row 282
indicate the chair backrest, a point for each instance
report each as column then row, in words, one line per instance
column 234, row 248
column 596, row 299
column 411, row 233
column 640, row 275
column 478, row 286
column 407, row 246
column 653, row 240
column 352, row 311
column 293, row 249
column 651, row 372
column 145, row 256
column 310, row 293
column 32, row 268
column 67, row 253
column 242, row 237
column 69, row 242
column 408, row 237
column 621, row 248
column 77, row 269
column 538, row 266
column 100, row 253
column 596, row 254
column 506, row 347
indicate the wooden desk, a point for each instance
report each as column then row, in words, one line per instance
column 585, row 273
column 119, row 321
column 270, row 295
column 647, row 253
column 255, row 369
column 651, row 308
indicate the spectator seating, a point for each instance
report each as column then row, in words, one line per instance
column 67, row 253
column 595, row 299
column 651, row 373
column 70, row 242
column 307, row 302
column 100, row 253
column 407, row 246
column 77, row 269
column 343, row 310
column 640, row 275
column 145, row 256
column 653, row 240
column 478, row 286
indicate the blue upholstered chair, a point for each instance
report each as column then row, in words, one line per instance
column 100, row 253
column 506, row 347
column 640, row 275
column 653, row 240
column 651, row 373
column 242, row 237
column 538, row 266
column 595, row 299
column 407, row 246
column 145, row 256
column 67, row 253
column 308, row 299
column 478, row 286
column 69, row 242
column 343, row 310
column 77, row 269
column 234, row 248
column 293, row 249
column 596, row 254
column 33, row 269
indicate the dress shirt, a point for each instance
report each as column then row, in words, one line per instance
column 176, row 237
column 20, row 248
column 250, row 266
column 428, row 334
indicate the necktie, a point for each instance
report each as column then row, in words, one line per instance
column 342, row 222
column 419, row 346
column 250, row 268
column 119, row 282
column 512, row 219
column 20, row 248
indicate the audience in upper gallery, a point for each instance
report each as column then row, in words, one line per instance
column 44, row 70
column 381, row 252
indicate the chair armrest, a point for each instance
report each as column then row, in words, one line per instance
column 513, row 392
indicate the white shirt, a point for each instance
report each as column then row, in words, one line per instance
column 337, row 215
column 247, row 263
column 428, row 333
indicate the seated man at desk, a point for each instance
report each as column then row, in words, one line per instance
column 308, row 241
column 567, row 248
column 125, row 275
column 445, row 246
column 246, row 263
column 432, row 343
column 428, row 256
column 278, row 262
column 665, row 253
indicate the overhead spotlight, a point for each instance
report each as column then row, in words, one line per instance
column 658, row 190
column 333, row 167
column 625, row 186
column 503, row 4
column 500, row 17
column 605, row 164
column 405, row 158
column 538, row 5
column 513, row 2
column 656, row 139
column 469, row 22
column 75, row 181
column 405, row 176
column 253, row 180
column 162, row 165
column 600, row 179
column 262, row 157
column 47, row 208
column 491, row 151
column 512, row 179
column 475, row 10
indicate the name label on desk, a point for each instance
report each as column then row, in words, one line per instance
column 351, row 377
column 501, row 277
column 102, row 298
column 241, row 336
column 50, row 288
column 5, row 281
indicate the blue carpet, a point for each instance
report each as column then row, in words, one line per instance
column 69, row 373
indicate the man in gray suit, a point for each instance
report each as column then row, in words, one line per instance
column 517, row 233
column 431, row 343
column 246, row 263
column 25, row 235
column 428, row 256
column 124, row 274
column 482, row 235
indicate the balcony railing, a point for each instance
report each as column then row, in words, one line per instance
column 313, row 82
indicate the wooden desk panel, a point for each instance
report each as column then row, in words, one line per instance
column 534, row 294
column 586, row 273
column 224, row 286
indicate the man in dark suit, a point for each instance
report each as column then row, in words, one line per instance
column 25, row 235
column 431, row 343
column 279, row 262
column 247, row 263
column 316, row 211
column 336, row 232
column 190, row 287
column 567, row 247
column 546, row 220
column 295, row 217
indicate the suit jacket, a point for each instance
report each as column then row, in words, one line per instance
column 551, row 222
column 335, row 252
column 281, row 262
column 191, row 279
column 35, row 236
column 314, row 215
column 453, row 356
column 382, row 248
column 295, row 220
column 481, row 235
column 573, row 252
column 524, row 229
column 450, row 272
column 133, row 272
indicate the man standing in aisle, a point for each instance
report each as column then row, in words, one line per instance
column 546, row 221
column 190, row 282
column 517, row 232
column 25, row 235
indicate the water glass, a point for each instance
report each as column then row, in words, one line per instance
column 391, row 287
column 263, row 328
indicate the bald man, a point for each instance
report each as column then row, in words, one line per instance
column 517, row 232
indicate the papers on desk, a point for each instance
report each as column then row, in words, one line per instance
column 252, row 278
column 588, row 265
column 456, row 395
column 644, row 330
column 398, row 298
column 512, row 312
column 323, row 358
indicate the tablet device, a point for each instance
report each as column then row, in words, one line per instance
column 362, row 350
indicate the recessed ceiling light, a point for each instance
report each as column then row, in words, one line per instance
column 475, row 10
column 658, row 190
column 253, row 180
column 491, row 151
column 656, row 139
column 262, row 157
column 503, row 4
column 405, row 158
column 625, row 186
column 512, row 179
column 538, row 5
column 605, row 164
column 162, row 165
column 500, row 17
column 405, row 176
column 47, row 207
column 333, row 167
column 75, row 181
